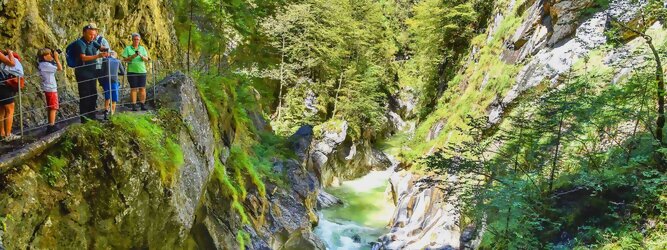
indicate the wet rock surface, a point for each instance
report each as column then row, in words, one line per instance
column 425, row 216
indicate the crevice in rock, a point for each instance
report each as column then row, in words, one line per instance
column 36, row 230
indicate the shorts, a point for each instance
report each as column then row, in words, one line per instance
column 6, row 95
column 137, row 80
column 52, row 100
column 113, row 94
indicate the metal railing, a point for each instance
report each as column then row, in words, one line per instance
column 72, row 97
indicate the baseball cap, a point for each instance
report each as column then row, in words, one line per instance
column 90, row 26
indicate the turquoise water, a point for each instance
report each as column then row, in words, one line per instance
column 364, row 216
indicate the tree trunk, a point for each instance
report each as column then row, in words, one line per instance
column 189, row 37
column 340, row 84
column 660, row 79
column 282, row 79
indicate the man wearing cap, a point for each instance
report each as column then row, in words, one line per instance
column 87, row 73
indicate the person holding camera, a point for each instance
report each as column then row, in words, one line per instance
column 86, row 74
column 136, row 56
column 6, row 99
column 49, row 64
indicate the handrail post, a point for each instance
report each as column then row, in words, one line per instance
column 20, row 108
column 120, row 94
column 110, row 88
column 153, row 73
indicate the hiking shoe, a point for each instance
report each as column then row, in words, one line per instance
column 134, row 106
column 143, row 107
column 106, row 115
column 50, row 129
column 12, row 137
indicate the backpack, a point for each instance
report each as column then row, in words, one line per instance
column 71, row 56
column 13, row 76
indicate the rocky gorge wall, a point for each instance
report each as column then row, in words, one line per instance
column 541, row 41
column 29, row 25
column 98, row 186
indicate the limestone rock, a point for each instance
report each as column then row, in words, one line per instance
column 425, row 217
column 303, row 240
column 325, row 200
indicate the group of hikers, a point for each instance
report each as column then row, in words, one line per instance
column 93, row 62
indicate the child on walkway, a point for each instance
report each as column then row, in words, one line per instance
column 112, row 67
column 49, row 64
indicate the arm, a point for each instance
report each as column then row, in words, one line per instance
column 86, row 58
column 57, row 57
column 121, row 69
column 8, row 59
column 145, row 58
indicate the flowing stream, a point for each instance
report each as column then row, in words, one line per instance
column 364, row 216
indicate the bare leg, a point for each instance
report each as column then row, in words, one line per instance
column 133, row 95
column 2, row 121
column 52, row 116
column 142, row 92
column 106, row 104
column 9, row 118
column 113, row 107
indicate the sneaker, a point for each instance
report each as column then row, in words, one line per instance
column 134, row 106
column 143, row 107
column 12, row 137
column 106, row 115
column 50, row 129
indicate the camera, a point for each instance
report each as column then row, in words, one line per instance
column 59, row 51
column 104, row 50
column 136, row 52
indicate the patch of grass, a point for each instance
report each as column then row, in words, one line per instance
column 53, row 169
column 144, row 135
column 160, row 147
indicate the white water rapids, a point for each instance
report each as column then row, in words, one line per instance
column 364, row 216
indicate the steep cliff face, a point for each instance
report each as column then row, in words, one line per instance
column 137, row 184
column 149, row 181
column 529, row 46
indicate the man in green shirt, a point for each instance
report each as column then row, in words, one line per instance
column 136, row 56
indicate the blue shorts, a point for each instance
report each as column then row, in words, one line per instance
column 113, row 94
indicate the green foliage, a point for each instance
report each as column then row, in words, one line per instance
column 597, row 6
column 229, row 100
column 153, row 138
column 3, row 221
column 242, row 238
column 165, row 153
column 556, row 175
column 332, row 52
column 53, row 169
